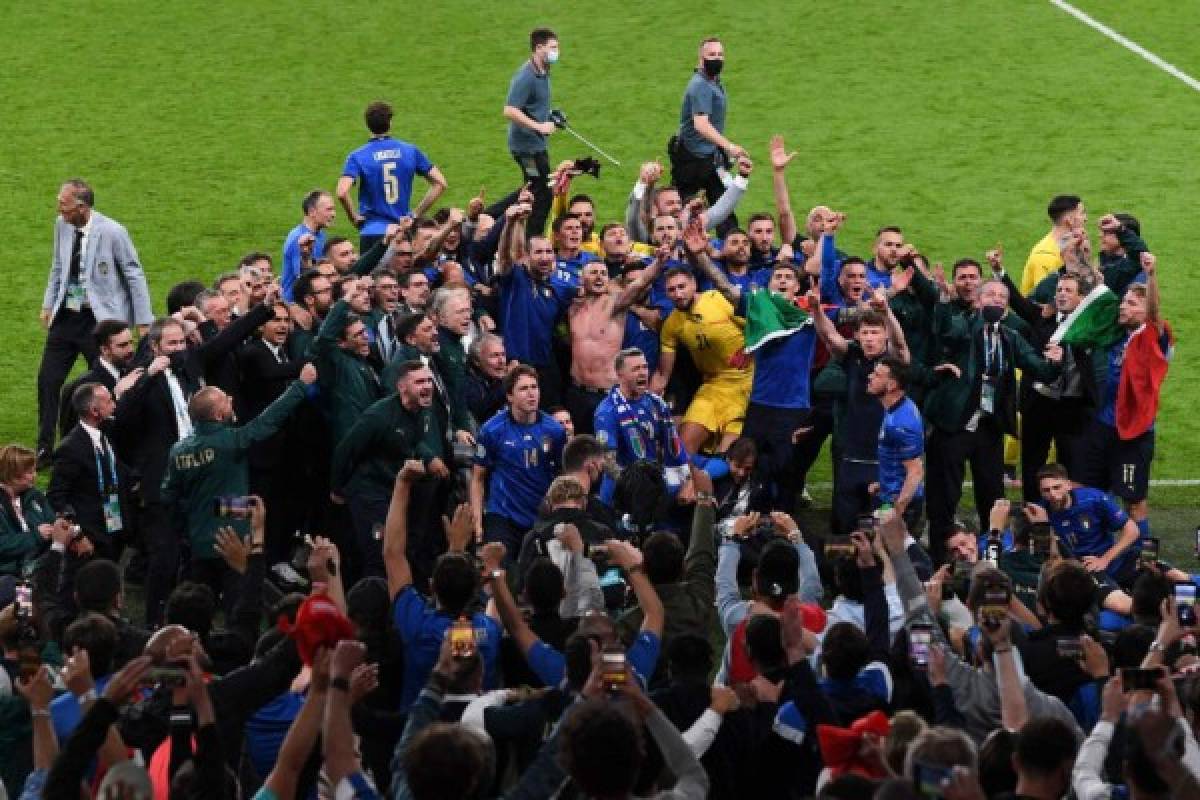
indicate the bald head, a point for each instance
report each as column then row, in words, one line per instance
column 210, row 404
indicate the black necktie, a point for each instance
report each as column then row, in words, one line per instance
column 108, row 473
column 76, row 253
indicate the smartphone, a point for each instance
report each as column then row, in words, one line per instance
column 1069, row 647
column 462, row 638
column 1135, row 678
column 232, row 507
column 24, row 596
column 1185, row 604
column 170, row 677
column 612, row 669
column 992, row 550
column 597, row 551
column 1149, row 554
column 839, row 547
column 920, row 637
column 928, row 778
column 1039, row 541
column 994, row 608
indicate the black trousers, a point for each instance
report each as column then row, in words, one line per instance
column 220, row 577
column 70, row 336
column 368, row 510
column 783, row 462
column 1044, row 421
column 535, row 171
column 691, row 173
column 366, row 242
column 852, row 498
column 581, row 404
column 163, row 543
column 946, row 459
column 550, row 384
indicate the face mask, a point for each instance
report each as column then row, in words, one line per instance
column 712, row 66
column 551, row 56
column 178, row 360
column 992, row 314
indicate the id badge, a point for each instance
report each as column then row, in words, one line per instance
column 112, row 515
column 987, row 398
column 75, row 297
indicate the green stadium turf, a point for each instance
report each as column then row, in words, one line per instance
column 202, row 125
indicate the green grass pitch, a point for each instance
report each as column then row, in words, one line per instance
column 202, row 125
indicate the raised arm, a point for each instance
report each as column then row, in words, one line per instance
column 511, row 616
column 695, row 242
column 628, row 557
column 633, row 290
column 896, row 338
column 780, row 158
column 395, row 530
column 825, row 328
column 1153, row 306
column 727, row 202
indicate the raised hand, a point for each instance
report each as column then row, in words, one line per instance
column 780, row 157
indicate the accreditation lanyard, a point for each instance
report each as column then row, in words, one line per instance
column 993, row 353
column 101, row 479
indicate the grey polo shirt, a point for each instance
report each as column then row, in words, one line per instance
column 702, row 96
column 529, row 92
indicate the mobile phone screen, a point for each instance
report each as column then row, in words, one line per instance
column 919, row 639
column 1185, row 604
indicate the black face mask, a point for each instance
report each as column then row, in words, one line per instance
column 713, row 66
column 178, row 360
column 992, row 314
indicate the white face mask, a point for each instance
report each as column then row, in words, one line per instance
column 552, row 56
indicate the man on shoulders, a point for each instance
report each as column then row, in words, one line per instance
column 384, row 169
column 95, row 274
column 305, row 243
column 700, row 147
column 527, row 109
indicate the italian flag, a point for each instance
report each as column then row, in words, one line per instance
column 1093, row 323
column 1143, row 370
column 770, row 316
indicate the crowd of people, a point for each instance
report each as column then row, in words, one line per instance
column 502, row 500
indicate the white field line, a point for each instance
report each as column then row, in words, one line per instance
column 826, row 485
column 1128, row 44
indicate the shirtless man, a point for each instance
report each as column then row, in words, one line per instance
column 597, row 323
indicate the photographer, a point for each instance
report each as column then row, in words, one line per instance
column 519, row 453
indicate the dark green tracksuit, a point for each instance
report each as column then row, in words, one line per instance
column 951, row 403
column 366, row 461
column 212, row 463
column 348, row 383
